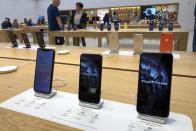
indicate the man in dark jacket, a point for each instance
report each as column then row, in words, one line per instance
column 194, row 33
column 9, row 23
column 106, row 19
column 29, row 22
column 54, row 21
column 6, row 24
column 79, row 20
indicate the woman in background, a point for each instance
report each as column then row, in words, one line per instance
column 79, row 21
column 15, row 24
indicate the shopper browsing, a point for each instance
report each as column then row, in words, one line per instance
column 15, row 23
column 79, row 21
column 54, row 21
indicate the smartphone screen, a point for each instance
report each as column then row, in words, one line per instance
column 90, row 78
column 166, row 44
column 40, row 39
column 44, row 70
column 154, row 84
column 12, row 38
column 26, row 40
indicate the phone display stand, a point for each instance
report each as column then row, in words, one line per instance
column 26, row 47
column 14, row 46
column 92, row 105
column 155, row 119
column 115, row 116
column 8, row 69
column 47, row 96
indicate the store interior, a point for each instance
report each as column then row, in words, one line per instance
column 98, row 65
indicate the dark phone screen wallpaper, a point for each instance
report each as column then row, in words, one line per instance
column 90, row 74
column 154, row 84
column 43, row 71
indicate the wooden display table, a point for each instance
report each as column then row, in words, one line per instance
column 4, row 35
column 182, row 67
column 37, row 27
column 23, row 29
column 180, row 37
column 114, row 87
column 33, row 29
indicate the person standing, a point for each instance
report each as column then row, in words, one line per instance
column 79, row 19
column 30, row 23
column 25, row 21
column 15, row 24
column 106, row 19
column 194, row 33
column 114, row 17
column 9, row 23
column 5, row 24
column 54, row 21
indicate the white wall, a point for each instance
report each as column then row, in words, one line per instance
column 18, row 9
column 186, row 14
column 186, row 7
column 32, row 8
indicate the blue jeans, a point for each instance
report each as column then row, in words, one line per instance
column 194, row 38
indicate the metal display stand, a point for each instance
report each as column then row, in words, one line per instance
column 92, row 105
column 47, row 96
column 115, row 116
column 159, row 120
